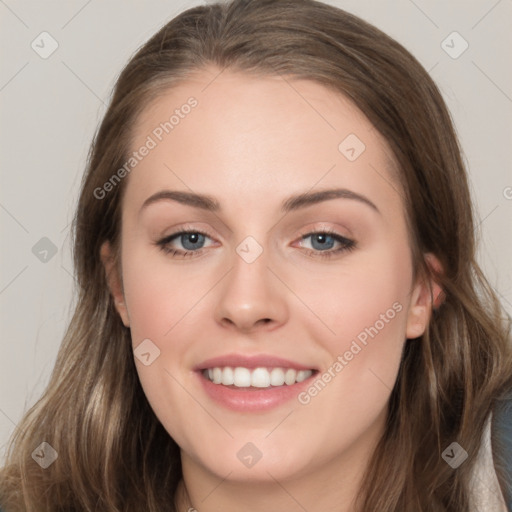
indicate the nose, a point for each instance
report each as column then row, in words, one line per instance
column 251, row 297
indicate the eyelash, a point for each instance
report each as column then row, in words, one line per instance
column 347, row 244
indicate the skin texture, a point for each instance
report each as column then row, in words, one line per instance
column 252, row 142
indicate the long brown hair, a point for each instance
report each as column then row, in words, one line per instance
column 113, row 453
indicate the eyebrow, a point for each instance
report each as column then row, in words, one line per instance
column 293, row 203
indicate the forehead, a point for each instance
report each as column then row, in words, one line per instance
column 234, row 133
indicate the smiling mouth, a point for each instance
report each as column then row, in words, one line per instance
column 260, row 378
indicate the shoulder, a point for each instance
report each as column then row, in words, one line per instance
column 487, row 495
column 501, row 436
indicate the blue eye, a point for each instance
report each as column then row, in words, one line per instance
column 190, row 241
column 322, row 240
column 193, row 243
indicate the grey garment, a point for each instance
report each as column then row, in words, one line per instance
column 484, row 488
column 502, row 444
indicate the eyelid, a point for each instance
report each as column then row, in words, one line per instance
column 183, row 230
column 340, row 231
column 324, row 228
column 347, row 244
column 187, row 228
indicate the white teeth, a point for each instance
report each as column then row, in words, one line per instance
column 217, row 375
column 242, row 378
column 289, row 376
column 303, row 375
column 258, row 377
column 277, row 377
column 228, row 376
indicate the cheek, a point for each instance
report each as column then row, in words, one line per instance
column 371, row 290
column 159, row 303
column 363, row 309
column 372, row 306
column 158, row 297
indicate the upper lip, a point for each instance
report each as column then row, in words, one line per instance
column 251, row 361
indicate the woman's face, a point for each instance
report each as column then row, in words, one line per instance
column 258, row 290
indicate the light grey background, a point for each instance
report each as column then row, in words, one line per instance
column 51, row 107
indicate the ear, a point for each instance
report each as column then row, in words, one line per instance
column 114, row 281
column 426, row 295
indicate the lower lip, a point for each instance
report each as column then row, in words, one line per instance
column 252, row 399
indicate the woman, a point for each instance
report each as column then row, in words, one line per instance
column 279, row 299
